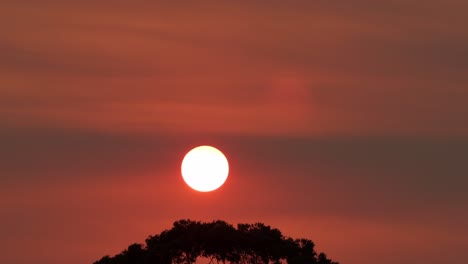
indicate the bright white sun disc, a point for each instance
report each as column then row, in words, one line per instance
column 205, row 168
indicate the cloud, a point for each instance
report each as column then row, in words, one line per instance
column 370, row 68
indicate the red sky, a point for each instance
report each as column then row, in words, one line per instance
column 345, row 123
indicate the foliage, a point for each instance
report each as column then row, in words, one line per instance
column 219, row 242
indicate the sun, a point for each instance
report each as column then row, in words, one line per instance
column 205, row 168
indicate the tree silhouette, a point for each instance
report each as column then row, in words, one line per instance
column 219, row 242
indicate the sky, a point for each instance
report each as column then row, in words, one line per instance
column 345, row 123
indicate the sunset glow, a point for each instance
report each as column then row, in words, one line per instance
column 345, row 122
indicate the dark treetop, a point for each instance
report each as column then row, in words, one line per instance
column 219, row 241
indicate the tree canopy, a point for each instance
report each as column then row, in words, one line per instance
column 220, row 242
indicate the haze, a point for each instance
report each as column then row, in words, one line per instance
column 345, row 123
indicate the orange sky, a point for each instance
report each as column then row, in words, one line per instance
column 343, row 123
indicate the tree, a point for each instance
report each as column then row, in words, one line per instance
column 220, row 242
